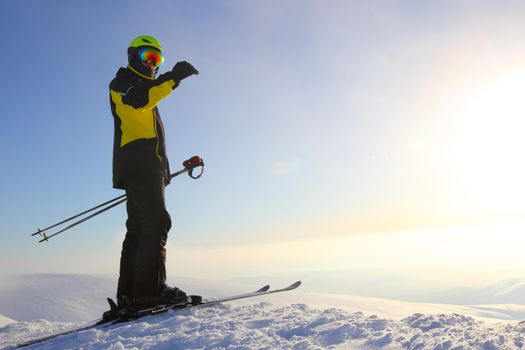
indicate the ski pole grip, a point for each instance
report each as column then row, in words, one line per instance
column 191, row 164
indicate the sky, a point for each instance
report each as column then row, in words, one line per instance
column 336, row 135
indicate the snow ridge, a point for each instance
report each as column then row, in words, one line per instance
column 5, row 320
column 264, row 326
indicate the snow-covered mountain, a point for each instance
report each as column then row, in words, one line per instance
column 394, row 284
column 54, row 297
column 5, row 321
column 295, row 320
column 508, row 291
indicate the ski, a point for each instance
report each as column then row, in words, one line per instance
column 183, row 306
column 158, row 310
column 161, row 309
column 92, row 324
column 249, row 295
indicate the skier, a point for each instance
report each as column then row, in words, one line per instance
column 141, row 168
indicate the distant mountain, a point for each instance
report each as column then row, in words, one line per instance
column 4, row 321
column 55, row 297
column 512, row 292
column 508, row 291
column 393, row 284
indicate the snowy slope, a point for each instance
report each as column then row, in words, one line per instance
column 294, row 320
column 5, row 321
column 261, row 325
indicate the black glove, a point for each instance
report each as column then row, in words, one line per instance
column 182, row 70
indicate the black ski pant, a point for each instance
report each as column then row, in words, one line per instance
column 143, row 257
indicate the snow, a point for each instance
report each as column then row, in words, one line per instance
column 5, row 321
column 293, row 320
column 54, row 297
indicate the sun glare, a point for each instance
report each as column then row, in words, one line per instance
column 490, row 144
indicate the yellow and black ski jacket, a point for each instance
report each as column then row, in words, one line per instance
column 139, row 148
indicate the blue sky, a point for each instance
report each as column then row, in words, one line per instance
column 316, row 121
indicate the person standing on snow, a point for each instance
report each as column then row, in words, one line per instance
column 140, row 167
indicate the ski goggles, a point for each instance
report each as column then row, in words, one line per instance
column 151, row 55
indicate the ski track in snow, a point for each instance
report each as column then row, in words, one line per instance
column 266, row 326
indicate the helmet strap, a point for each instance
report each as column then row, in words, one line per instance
column 136, row 65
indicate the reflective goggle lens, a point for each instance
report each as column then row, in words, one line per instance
column 148, row 54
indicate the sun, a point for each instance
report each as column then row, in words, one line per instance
column 489, row 146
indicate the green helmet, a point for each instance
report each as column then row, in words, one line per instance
column 146, row 40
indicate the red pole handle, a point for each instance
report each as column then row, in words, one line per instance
column 191, row 164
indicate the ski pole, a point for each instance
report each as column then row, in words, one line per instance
column 42, row 231
column 46, row 237
column 189, row 166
